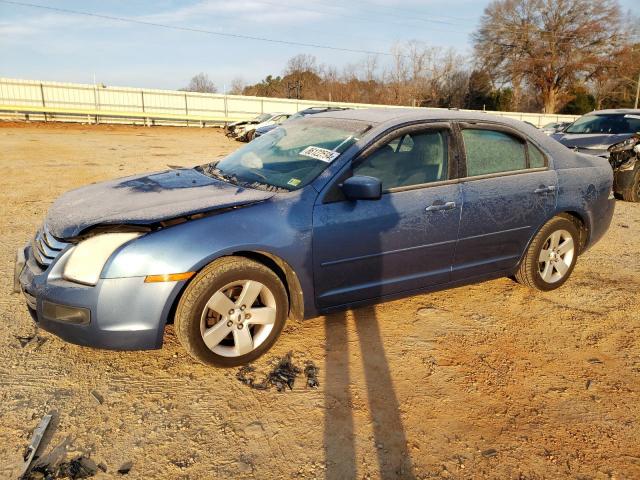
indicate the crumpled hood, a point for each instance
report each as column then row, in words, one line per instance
column 145, row 199
column 593, row 143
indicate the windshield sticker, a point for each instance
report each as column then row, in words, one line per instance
column 294, row 182
column 319, row 153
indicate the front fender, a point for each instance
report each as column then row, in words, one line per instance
column 280, row 228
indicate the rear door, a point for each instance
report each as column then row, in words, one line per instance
column 508, row 192
column 367, row 249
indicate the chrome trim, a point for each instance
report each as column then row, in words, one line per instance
column 31, row 300
column 45, row 247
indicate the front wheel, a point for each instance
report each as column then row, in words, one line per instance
column 232, row 312
column 551, row 256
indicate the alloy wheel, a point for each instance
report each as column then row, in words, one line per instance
column 238, row 318
column 556, row 256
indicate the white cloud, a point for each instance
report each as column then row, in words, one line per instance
column 239, row 11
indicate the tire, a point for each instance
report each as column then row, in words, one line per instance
column 632, row 194
column 548, row 261
column 251, row 135
column 221, row 286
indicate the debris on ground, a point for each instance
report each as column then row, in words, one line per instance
column 491, row 452
column 282, row 375
column 311, row 372
column 34, row 339
column 97, row 396
column 78, row 468
column 125, row 468
column 246, row 374
column 32, row 448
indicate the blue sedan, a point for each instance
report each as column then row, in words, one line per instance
column 330, row 212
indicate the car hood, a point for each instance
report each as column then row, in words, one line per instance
column 144, row 200
column 595, row 141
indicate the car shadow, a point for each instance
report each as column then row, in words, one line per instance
column 394, row 461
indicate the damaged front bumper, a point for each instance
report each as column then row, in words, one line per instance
column 624, row 176
column 116, row 313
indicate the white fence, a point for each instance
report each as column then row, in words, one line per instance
column 40, row 100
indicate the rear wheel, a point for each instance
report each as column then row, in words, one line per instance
column 551, row 256
column 232, row 312
column 632, row 194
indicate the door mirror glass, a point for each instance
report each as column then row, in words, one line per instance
column 362, row 187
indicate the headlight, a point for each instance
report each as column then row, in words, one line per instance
column 87, row 259
column 628, row 144
column 602, row 146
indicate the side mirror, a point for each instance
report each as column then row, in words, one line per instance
column 362, row 187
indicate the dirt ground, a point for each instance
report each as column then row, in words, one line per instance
column 486, row 381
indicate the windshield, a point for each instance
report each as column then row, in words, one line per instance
column 608, row 123
column 262, row 118
column 290, row 156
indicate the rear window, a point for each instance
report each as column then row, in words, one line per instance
column 536, row 157
column 489, row 151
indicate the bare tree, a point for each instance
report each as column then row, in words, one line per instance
column 548, row 43
column 201, row 83
column 237, row 86
column 300, row 64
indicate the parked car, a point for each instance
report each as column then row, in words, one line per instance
column 329, row 212
column 246, row 132
column 595, row 132
column 624, row 158
column 555, row 127
column 230, row 129
column 301, row 114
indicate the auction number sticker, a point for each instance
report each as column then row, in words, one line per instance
column 319, row 153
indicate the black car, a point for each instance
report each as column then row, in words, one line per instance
column 612, row 134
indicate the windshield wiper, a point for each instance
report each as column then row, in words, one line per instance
column 215, row 172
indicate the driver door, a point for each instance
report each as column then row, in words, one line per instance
column 404, row 241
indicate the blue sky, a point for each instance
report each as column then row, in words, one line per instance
column 49, row 45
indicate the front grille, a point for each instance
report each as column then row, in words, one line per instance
column 46, row 247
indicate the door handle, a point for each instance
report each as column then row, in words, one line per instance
column 441, row 206
column 543, row 189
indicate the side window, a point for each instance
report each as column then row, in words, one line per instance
column 489, row 151
column 536, row 157
column 410, row 159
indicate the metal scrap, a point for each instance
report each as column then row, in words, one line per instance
column 32, row 448
column 282, row 375
column 311, row 372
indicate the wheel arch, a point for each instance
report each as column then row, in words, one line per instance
column 279, row 266
column 581, row 222
column 286, row 274
column 576, row 217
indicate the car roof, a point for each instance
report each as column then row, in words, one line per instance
column 379, row 116
column 612, row 111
